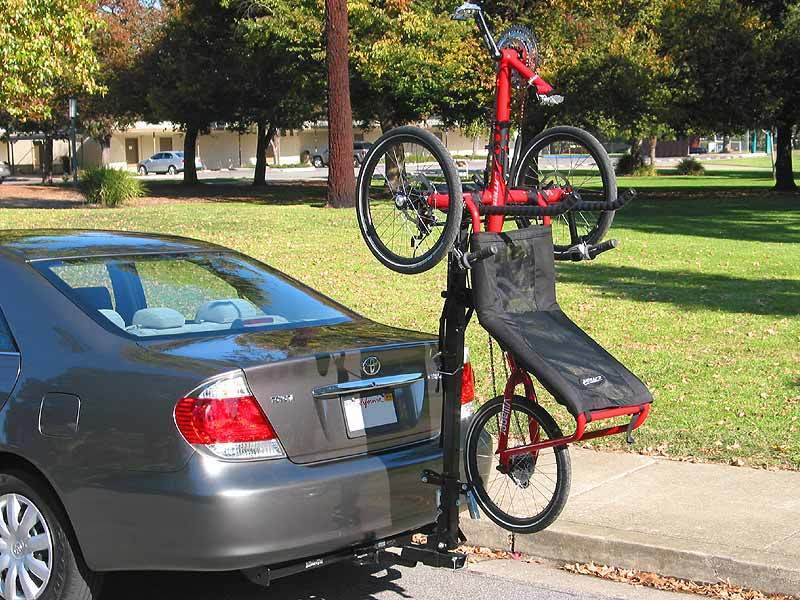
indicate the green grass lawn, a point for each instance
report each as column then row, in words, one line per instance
column 702, row 299
column 755, row 162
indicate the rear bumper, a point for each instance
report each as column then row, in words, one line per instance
column 214, row 516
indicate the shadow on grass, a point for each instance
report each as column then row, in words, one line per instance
column 740, row 216
column 690, row 290
column 164, row 192
column 278, row 194
column 26, row 202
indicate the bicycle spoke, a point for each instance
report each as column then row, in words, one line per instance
column 525, row 487
column 561, row 162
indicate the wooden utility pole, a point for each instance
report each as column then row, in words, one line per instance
column 341, row 178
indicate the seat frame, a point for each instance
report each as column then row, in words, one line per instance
column 518, row 376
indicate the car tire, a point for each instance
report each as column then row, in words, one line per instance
column 171, row 170
column 67, row 576
column 318, row 162
column 142, row 170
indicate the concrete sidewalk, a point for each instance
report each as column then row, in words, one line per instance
column 695, row 521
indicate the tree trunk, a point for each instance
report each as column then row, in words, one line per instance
column 387, row 123
column 533, row 122
column 265, row 134
column 653, row 144
column 189, row 155
column 341, row 177
column 47, row 160
column 105, row 150
column 784, row 177
column 636, row 152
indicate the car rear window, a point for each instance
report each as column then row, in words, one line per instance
column 6, row 340
column 178, row 295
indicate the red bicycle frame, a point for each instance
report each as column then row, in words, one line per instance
column 497, row 193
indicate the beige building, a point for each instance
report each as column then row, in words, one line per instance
column 219, row 149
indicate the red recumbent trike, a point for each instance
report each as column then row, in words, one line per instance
column 562, row 194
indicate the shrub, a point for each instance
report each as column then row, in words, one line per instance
column 632, row 164
column 110, row 187
column 645, row 170
column 690, row 166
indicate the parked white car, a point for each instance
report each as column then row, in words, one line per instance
column 166, row 162
column 5, row 171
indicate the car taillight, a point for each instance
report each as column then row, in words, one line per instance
column 467, row 387
column 225, row 418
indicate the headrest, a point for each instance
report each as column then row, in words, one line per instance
column 113, row 316
column 158, row 318
column 97, row 298
column 227, row 311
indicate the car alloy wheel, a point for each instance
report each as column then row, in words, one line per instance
column 142, row 171
column 171, row 170
column 318, row 162
column 26, row 553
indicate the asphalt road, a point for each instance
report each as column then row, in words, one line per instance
column 495, row 580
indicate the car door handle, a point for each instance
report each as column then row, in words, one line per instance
column 365, row 385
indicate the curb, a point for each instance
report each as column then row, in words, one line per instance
column 673, row 557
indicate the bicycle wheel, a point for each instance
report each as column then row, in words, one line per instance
column 569, row 156
column 402, row 171
column 531, row 492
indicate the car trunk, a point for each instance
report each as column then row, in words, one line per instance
column 326, row 406
column 332, row 392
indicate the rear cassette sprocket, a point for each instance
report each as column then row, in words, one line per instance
column 521, row 39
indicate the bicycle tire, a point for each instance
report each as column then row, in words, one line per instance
column 452, row 224
column 543, row 518
column 602, row 221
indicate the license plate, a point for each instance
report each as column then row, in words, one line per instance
column 362, row 413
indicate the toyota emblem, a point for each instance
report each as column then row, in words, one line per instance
column 371, row 365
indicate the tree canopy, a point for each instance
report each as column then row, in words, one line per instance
column 409, row 62
column 46, row 53
column 635, row 69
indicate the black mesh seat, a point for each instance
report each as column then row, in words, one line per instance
column 515, row 299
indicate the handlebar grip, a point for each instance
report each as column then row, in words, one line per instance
column 469, row 260
column 529, row 210
column 602, row 247
column 621, row 201
column 584, row 251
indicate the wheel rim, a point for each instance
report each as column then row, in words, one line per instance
column 526, row 491
column 26, row 549
column 566, row 161
column 397, row 184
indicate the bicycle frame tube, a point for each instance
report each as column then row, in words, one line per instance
column 497, row 192
column 638, row 413
column 516, row 377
